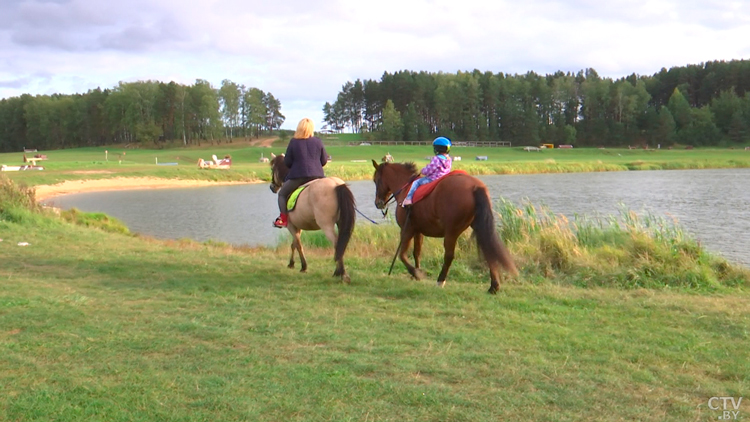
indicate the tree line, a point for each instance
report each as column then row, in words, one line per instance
column 705, row 104
column 138, row 113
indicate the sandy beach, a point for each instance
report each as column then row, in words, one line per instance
column 44, row 192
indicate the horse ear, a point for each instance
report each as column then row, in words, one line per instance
column 273, row 155
column 375, row 164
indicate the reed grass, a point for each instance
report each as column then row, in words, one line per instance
column 15, row 195
column 628, row 250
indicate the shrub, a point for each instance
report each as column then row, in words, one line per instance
column 13, row 195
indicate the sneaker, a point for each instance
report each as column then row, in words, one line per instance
column 279, row 223
column 407, row 202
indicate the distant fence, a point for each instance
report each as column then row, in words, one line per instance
column 455, row 144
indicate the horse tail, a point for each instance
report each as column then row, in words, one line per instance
column 346, row 219
column 489, row 243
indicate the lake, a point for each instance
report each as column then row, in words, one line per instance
column 710, row 204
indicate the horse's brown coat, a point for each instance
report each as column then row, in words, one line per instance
column 457, row 203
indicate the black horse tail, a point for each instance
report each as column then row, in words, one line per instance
column 346, row 219
column 488, row 242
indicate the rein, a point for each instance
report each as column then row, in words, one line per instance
column 392, row 198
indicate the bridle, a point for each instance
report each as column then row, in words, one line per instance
column 276, row 180
column 391, row 198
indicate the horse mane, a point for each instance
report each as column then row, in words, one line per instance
column 411, row 167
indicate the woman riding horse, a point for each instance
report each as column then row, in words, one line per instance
column 305, row 157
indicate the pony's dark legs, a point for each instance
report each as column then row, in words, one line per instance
column 340, row 270
column 297, row 244
column 418, row 239
column 406, row 236
column 449, row 243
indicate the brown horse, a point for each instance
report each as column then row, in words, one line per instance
column 458, row 202
column 325, row 203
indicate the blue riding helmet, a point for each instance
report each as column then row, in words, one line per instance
column 441, row 145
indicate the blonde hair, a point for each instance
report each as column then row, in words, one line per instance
column 305, row 129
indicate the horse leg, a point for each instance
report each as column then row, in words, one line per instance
column 406, row 236
column 296, row 242
column 293, row 247
column 449, row 243
column 340, row 270
column 418, row 238
column 291, row 257
column 494, row 279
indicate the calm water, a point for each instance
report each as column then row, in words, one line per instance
column 711, row 204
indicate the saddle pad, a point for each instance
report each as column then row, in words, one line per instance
column 292, row 201
column 427, row 188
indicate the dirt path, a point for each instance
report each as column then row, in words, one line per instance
column 263, row 142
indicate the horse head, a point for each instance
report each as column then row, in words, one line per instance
column 279, row 171
column 381, row 190
column 390, row 179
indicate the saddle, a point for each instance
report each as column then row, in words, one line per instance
column 427, row 188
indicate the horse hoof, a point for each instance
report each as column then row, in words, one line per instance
column 418, row 274
column 304, row 270
column 493, row 290
column 345, row 278
column 290, row 266
column 441, row 284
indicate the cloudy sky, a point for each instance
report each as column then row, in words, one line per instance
column 303, row 51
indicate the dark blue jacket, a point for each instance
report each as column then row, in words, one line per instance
column 305, row 158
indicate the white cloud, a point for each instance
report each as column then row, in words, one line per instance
column 303, row 52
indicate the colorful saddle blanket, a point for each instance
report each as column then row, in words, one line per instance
column 427, row 188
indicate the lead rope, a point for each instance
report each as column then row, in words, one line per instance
column 393, row 197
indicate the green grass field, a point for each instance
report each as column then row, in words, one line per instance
column 634, row 322
column 353, row 162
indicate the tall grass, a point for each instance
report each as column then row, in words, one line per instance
column 626, row 250
column 97, row 220
column 16, row 196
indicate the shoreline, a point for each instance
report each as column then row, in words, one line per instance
column 68, row 187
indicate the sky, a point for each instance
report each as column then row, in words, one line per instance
column 304, row 51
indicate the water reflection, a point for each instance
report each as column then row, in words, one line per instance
column 712, row 204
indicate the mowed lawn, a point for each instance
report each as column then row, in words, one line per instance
column 97, row 326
